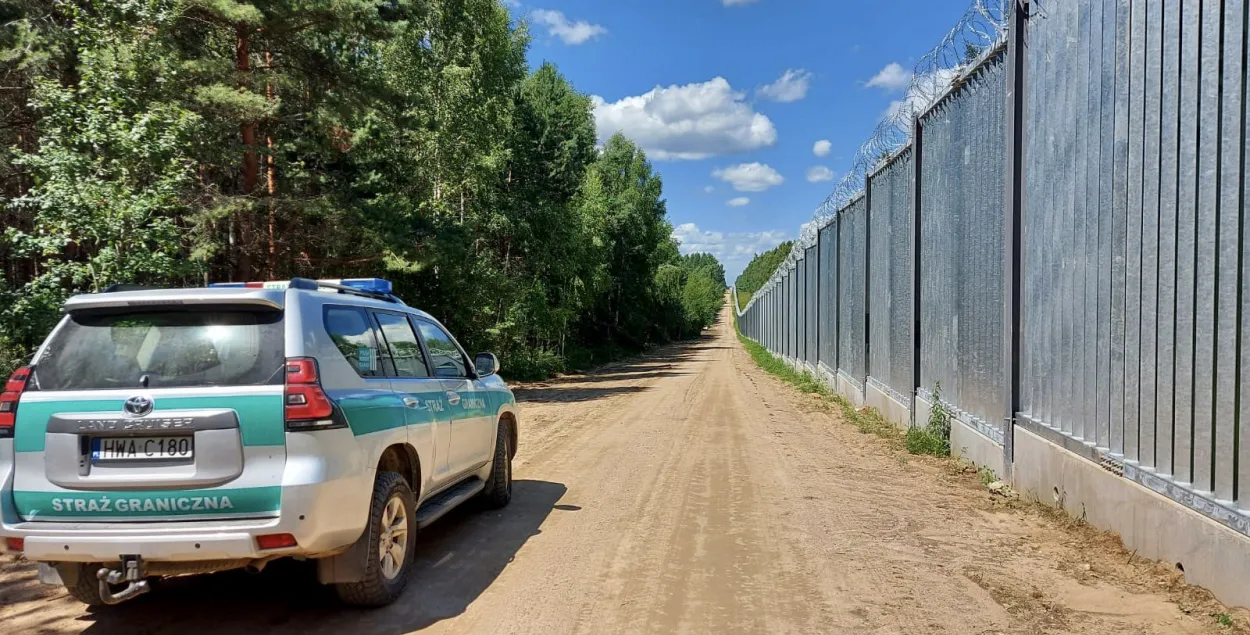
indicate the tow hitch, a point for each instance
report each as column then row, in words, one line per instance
column 131, row 572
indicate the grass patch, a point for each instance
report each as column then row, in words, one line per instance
column 924, row 441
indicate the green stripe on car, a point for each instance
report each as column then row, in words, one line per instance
column 148, row 504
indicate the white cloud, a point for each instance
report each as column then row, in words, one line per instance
column 694, row 121
column 736, row 3
column 734, row 250
column 741, row 201
column 708, row 189
column 569, row 31
column 749, row 177
column 818, row 174
column 791, row 86
column 821, row 148
column 892, row 77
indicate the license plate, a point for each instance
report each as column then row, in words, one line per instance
column 179, row 448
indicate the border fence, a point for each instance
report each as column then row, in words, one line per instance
column 1051, row 242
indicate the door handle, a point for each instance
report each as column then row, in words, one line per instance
column 453, row 397
column 412, row 402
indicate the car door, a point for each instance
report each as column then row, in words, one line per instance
column 427, row 416
column 472, row 427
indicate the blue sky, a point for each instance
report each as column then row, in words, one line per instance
column 730, row 97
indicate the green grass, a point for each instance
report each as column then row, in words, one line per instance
column 1223, row 619
column 987, row 475
column 924, row 440
column 933, row 438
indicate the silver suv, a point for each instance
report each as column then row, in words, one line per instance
column 175, row 431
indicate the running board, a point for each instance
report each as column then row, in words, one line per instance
column 436, row 507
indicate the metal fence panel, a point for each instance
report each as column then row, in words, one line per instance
column 790, row 304
column 962, row 257
column 1208, row 195
column 792, row 321
column 1186, row 239
column 890, row 266
column 1134, row 283
column 800, row 317
column 852, row 287
column 812, row 259
column 828, row 309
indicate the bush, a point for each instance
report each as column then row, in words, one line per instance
column 934, row 438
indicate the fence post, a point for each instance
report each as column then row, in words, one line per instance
column 837, row 294
column 867, row 280
column 917, row 167
column 1013, row 203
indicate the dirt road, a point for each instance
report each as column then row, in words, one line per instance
column 687, row 492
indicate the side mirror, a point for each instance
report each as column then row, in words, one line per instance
column 486, row 364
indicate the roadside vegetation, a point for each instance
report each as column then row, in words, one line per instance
column 934, row 437
column 177, row 142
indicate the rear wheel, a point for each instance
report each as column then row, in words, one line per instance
column 392, row 536
column 498, row 491
column 80, row 581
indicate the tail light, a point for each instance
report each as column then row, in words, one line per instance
column 307, row 406
column 276, row 541
column 8, row 400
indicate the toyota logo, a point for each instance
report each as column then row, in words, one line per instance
column 137, row 406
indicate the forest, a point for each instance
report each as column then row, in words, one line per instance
column 759, row 270
column 182, row 142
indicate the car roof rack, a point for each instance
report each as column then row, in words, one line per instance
column 309, row 284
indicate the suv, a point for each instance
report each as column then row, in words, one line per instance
column 175, row 431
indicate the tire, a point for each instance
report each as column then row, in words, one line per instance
column 384, row 580
column 498, row 490
column 80, row 582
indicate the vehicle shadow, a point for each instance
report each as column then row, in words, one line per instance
column 457, row 559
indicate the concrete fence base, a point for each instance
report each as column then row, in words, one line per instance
column 1211, row 555
column 891, row 408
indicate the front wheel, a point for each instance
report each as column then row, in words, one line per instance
column 391, row 539
column 498, row 491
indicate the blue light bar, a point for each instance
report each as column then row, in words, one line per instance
column 368, row 285
column 372, row 285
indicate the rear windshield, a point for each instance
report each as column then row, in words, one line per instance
column 163, row 349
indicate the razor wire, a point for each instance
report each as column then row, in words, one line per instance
column 981, row 29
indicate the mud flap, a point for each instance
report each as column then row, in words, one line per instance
column 49, row 575
column 348, row 566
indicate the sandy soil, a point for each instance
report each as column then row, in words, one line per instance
column 688, row 492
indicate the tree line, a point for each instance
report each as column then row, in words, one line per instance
column 180, row 142
column 759, row 271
